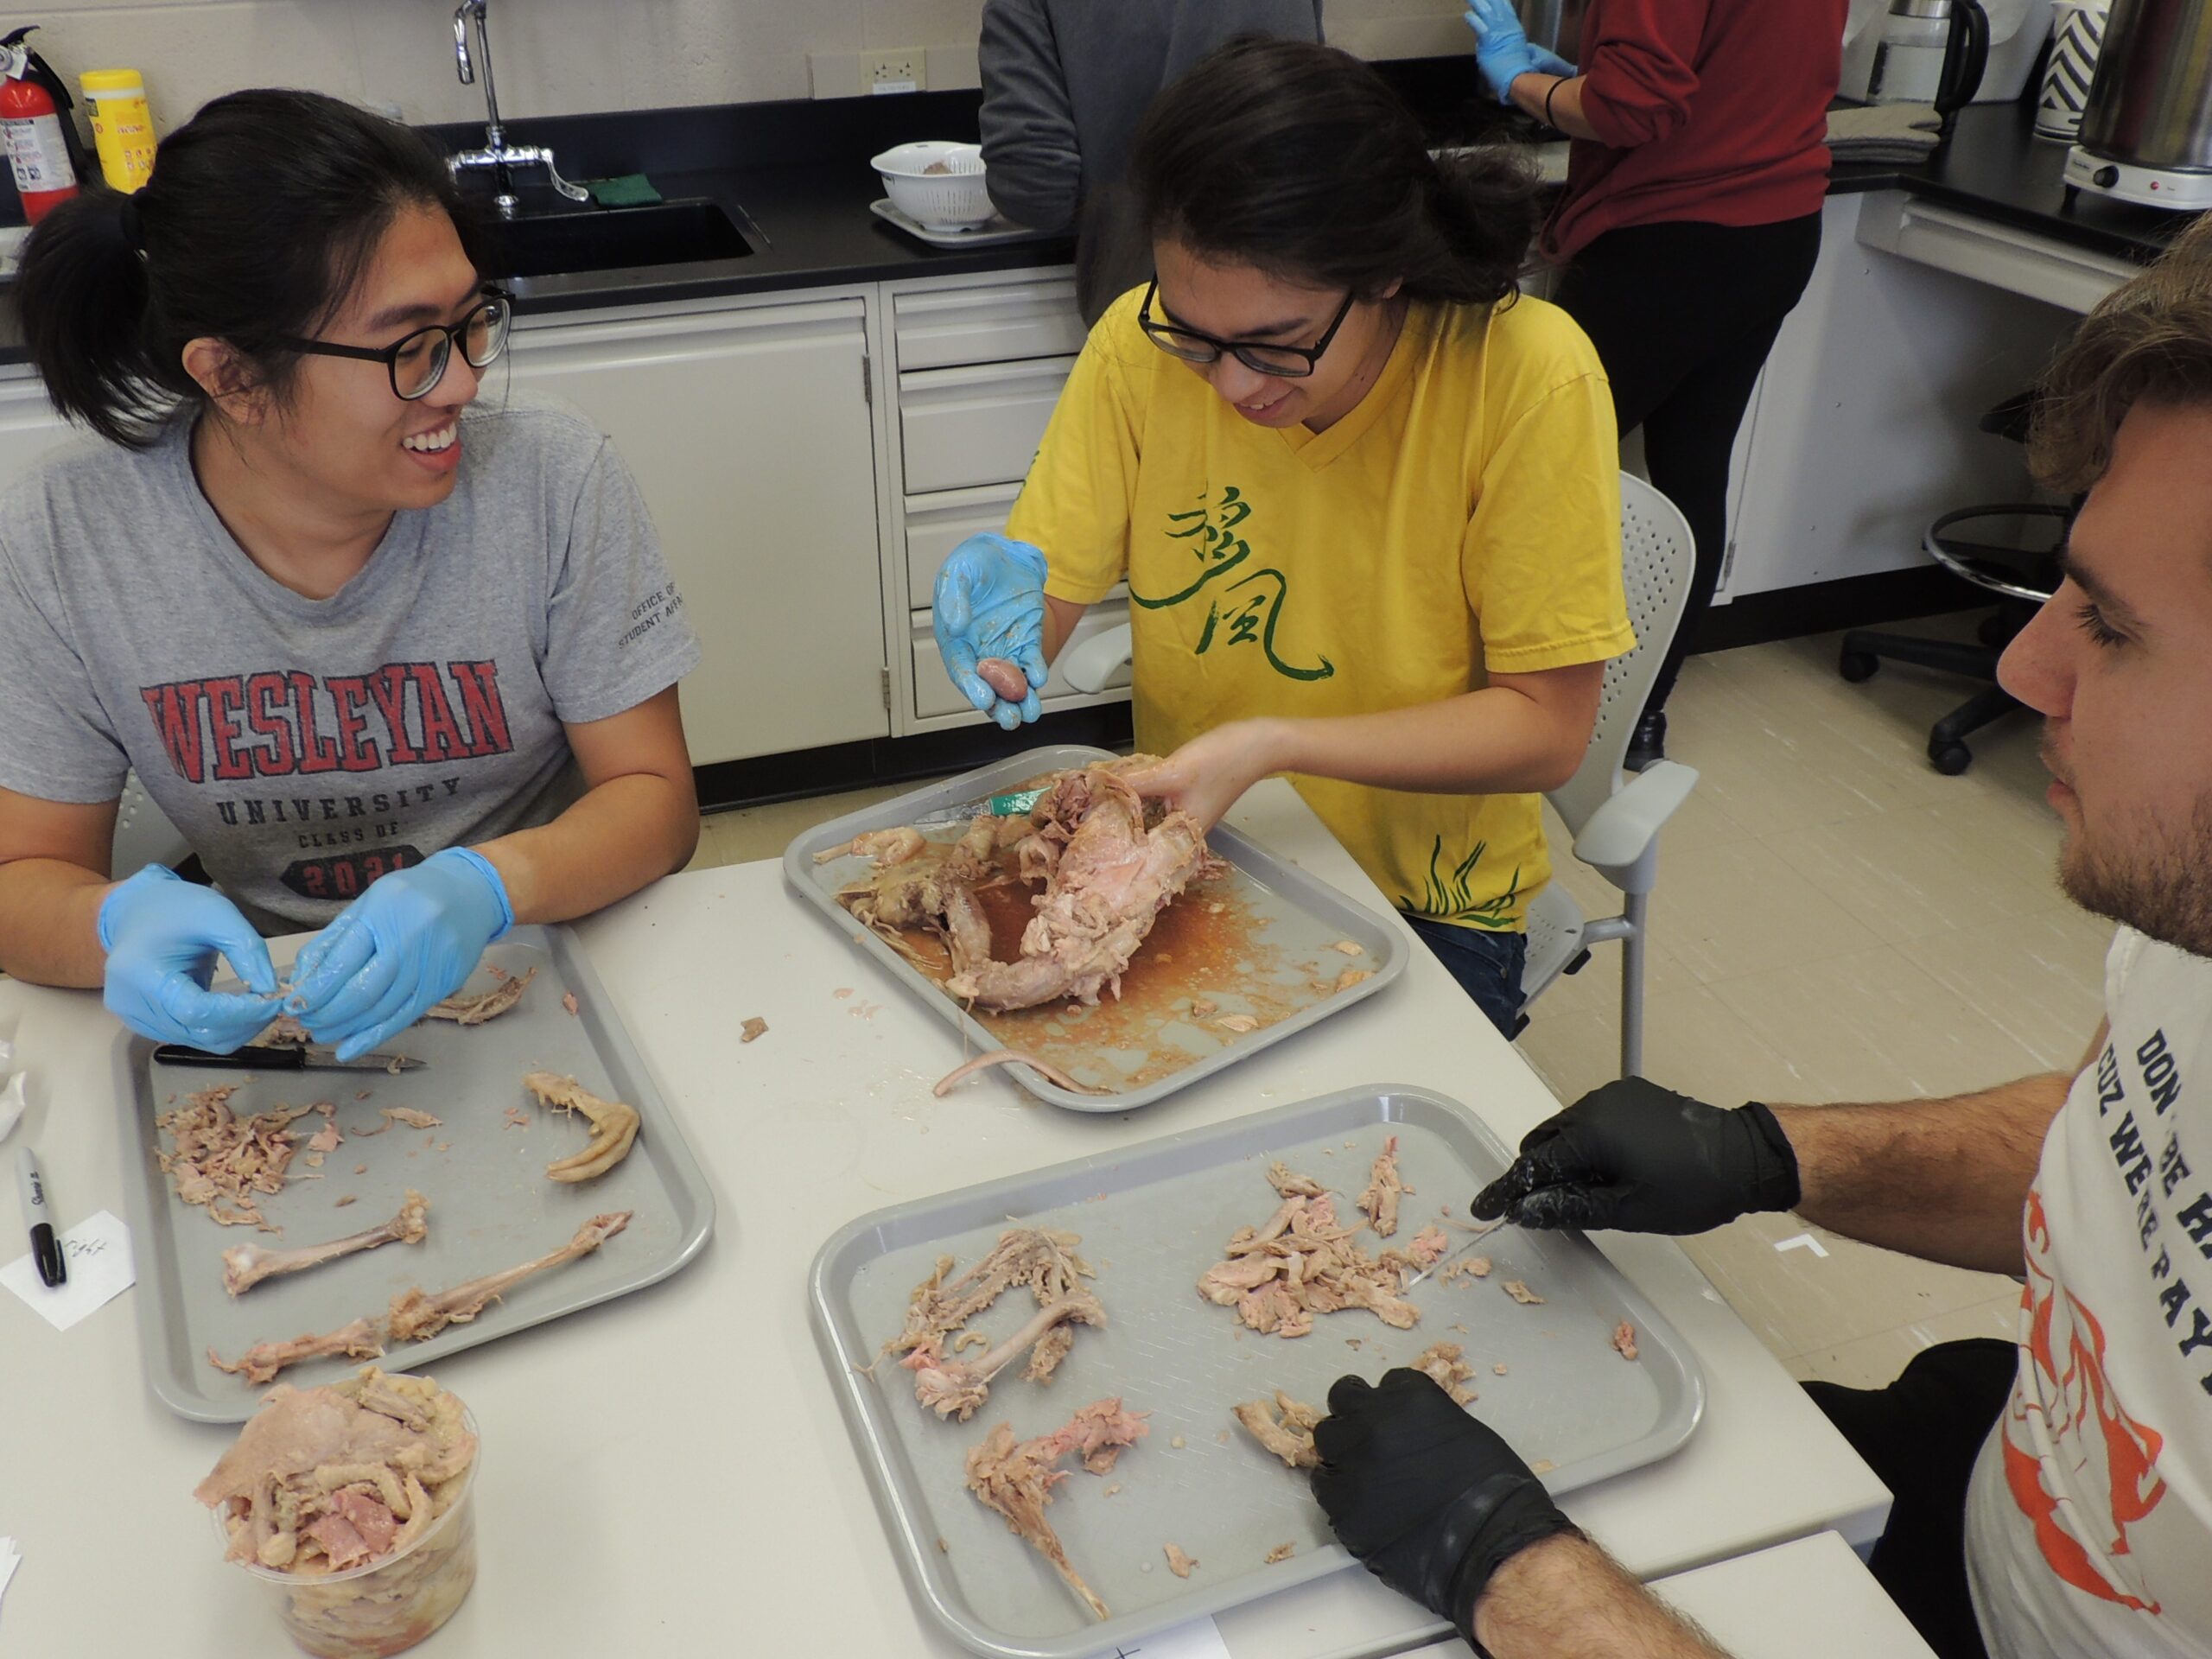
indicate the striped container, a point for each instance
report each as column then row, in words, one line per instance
column 2073, row 63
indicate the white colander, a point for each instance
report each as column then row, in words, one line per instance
column 951, row 198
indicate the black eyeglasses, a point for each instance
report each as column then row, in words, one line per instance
column 416, row 362
column 1291, row 362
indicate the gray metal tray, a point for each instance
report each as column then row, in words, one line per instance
column 491, row 1203
column 1262, row 953
column 1152, row 1219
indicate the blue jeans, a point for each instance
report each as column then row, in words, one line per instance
column 1486, row 964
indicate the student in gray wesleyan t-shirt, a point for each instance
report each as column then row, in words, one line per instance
column 400, row 667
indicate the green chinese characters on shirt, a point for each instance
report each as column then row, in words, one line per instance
column 1234, row 617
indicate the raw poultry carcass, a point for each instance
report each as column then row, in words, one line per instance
column 916, row 882
column 245, row 1266
column 1016, row 1478
column 1112, row 877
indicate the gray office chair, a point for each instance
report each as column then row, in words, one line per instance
column 1615, row 818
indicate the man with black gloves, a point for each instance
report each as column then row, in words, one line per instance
column 2053, row 1495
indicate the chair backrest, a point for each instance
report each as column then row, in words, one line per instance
column 1657, row 556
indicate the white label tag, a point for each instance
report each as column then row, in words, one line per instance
column 37, row 156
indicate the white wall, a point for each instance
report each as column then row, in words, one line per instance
column 563, row 56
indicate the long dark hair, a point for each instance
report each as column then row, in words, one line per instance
column 262, row 212
column 1301, row 161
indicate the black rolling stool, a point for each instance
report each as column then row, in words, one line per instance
column 2021, row 575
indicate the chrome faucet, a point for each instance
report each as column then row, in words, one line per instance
column 497, row 154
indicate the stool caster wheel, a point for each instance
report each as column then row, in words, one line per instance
column 1858, row 666
column 1950, row 758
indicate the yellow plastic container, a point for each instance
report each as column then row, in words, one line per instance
column 123, row 125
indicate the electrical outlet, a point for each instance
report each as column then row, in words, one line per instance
column 895, row 69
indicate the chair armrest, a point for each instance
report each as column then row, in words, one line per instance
column 1619, row 833
column 1088, row 666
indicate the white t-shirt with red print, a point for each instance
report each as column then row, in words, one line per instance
column 2089, row 1518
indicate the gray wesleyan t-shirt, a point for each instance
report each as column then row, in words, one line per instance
column 306, row 746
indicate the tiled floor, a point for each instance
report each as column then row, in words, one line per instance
column 1834, row 921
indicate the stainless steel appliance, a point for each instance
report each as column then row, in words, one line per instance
column 1929, row 52
column 2146, row 131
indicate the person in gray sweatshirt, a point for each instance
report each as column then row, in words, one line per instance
column 1065, row 85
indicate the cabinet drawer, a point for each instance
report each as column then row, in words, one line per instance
column 936, row 695
column 961, row 427
column 937, row 524
column 940, row 328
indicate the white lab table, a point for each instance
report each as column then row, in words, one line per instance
column 1811, row 1598
column 668, row 1473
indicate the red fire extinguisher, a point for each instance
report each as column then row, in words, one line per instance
column 33, row 102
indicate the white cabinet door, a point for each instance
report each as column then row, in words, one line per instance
column 749, row 433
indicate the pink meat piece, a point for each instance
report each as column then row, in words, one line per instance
column 341, row 1541
column 367, row 1515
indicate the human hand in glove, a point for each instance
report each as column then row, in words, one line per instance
column 1634, row 1156
column 989, row 601
column 1503, row 51
column 1432, row 1501
column 412, row 939
column 162, row 935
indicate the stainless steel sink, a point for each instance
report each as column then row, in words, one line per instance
column 617, row 239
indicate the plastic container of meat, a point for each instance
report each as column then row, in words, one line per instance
column 385, row 1606
column 1238, row 962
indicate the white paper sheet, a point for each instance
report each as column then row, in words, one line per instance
column 1200, row 1639
column 10, row 1561
column 97, row 1252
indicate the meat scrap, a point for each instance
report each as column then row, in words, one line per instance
column 487, row 1005
column 1177, row 1562
column 261, row 1362
column 322, row 1480
column 245, row 1266
column 1280, row 1552
column 1467, row 1266
column 218, row 1160
column 613, row 1126
column 1624, row 1339
column 1290, row 1185
column 412, row 1118
column 1110, row 877
column 1040, row 1258
column 1302, row 1263
column 751, row 1029
column 1045, row 1069
column 885, row 847
column 1445, row 1364
column 1521, row 1293
column 1379, row 1203
column 1286, row 1429
column 1016, row 1478
column 569, row 1002
column 415, row 1317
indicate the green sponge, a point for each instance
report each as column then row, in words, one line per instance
column 631, row 190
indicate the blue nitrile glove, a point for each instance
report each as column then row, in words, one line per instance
column 412, row 939
column 162, row 936
column 990, row 602
column 1503, row 51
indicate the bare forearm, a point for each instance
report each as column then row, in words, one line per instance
column 1554, row 100
column 49, row 922
column 1943, row 1180
column 626, row 832
column 1565, row 1599
column 1494, row 741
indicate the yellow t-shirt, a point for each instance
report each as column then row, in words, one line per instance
column 1463, row 517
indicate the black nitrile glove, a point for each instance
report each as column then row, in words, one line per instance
column 1431, row 1500
column 1645, row 1160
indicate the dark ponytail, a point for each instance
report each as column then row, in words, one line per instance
column 262, row 214
column 1301, row 161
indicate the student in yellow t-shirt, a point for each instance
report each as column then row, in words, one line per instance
column 1366, row 498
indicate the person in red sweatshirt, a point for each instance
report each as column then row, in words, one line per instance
column 1689, row 225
